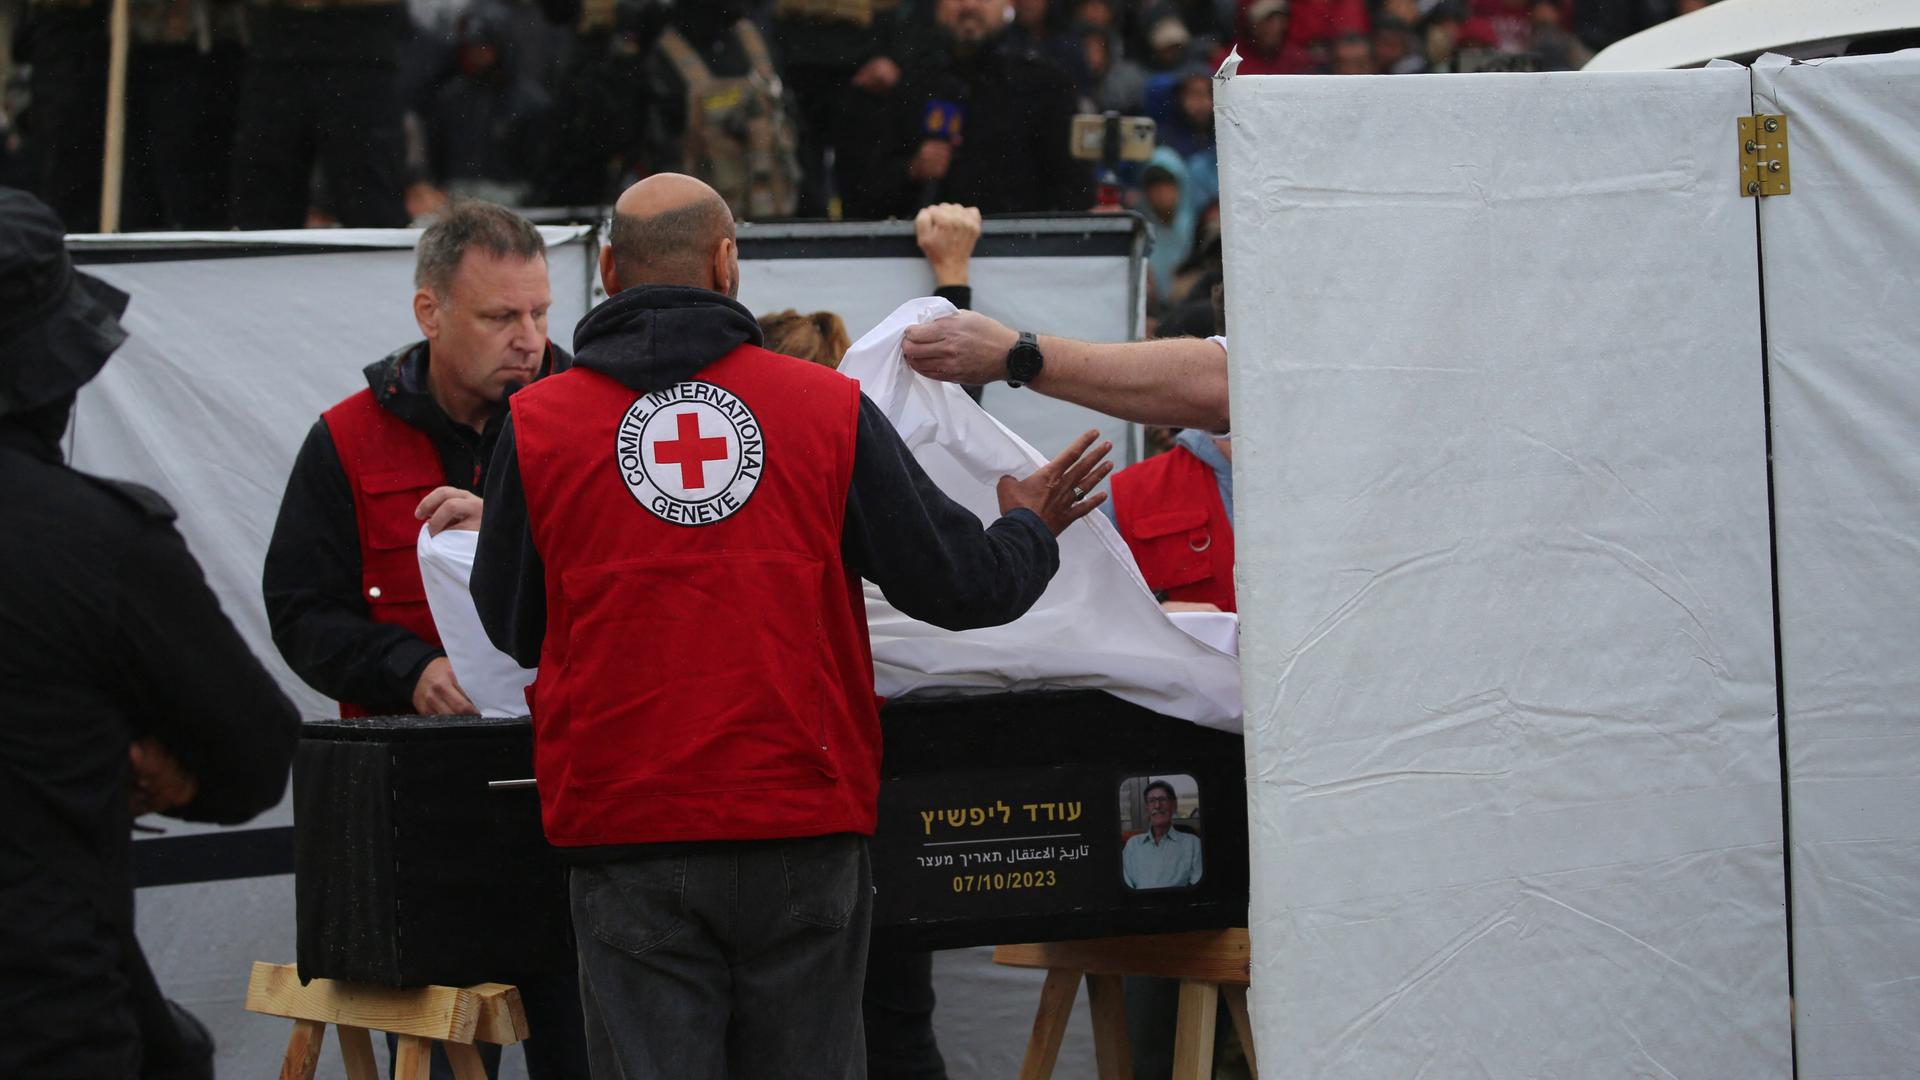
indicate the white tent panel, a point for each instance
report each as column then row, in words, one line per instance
column 1842, row 262
column 1513, row 762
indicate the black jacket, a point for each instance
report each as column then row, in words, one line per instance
column 312, row 578
column 927, row 553
column 108, row 633
column 1014, row 154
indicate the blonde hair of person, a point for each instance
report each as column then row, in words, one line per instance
column 820, row 337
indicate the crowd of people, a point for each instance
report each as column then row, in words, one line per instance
column 283, row 113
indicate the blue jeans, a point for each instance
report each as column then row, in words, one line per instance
column 741, row 960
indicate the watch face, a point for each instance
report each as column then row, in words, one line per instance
column 1023, row 363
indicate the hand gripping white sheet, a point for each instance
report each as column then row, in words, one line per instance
column 492, row 680
column 1096, row 627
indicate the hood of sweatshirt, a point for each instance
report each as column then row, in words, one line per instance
column 653, row 336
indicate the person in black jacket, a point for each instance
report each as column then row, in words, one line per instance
column 483, row 282
column 481, row 301
column 976, row 123
column 124, row 690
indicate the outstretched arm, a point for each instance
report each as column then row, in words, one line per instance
column 1176, row 381
column 929, row 555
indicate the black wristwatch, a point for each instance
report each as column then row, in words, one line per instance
column 1023, row 361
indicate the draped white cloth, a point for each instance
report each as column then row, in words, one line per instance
column 492, row 680
column 1096, row 627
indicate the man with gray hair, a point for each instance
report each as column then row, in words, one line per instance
column 342, row 580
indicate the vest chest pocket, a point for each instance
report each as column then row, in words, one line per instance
column 387, row 502
column 1172, row 548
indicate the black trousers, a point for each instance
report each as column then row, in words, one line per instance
column 897, row 1006
column 346, row 118
column 819, row 96
column 181, row 107
column 69, row 111
column 833, row 114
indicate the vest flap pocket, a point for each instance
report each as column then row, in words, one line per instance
column 1168, row 522
column 386, row 483
column 388, row 500
column 1170, row 547
column 697, row 673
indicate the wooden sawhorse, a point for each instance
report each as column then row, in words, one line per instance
column 454, row 1016
column 1208, row 963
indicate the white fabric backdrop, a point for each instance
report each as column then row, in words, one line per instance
column 1842, row 259
column 1506, row 620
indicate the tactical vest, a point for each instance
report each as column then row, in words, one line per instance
column 740, row 137
column 1169, row 512
column 706, row 673
column 390, row 467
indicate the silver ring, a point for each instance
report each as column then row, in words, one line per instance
column 1078, row 494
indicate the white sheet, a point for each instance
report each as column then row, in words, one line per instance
column 1500, row 482
column 1097, row 625
column 1842, row 256
column 491, row 679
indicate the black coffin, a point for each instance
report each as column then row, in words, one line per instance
column 408, row 869
column 1001, row 819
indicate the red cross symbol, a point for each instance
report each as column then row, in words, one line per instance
column 690, row 452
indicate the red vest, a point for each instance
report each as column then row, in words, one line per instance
column 1169, row 512
column 390, row 466
column 706, row 673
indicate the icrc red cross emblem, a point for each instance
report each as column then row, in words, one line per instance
column 690, row 454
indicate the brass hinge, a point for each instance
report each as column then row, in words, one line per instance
column 1763, row 156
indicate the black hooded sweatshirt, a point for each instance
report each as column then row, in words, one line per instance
column 927, row 553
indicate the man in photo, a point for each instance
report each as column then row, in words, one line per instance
column 1162, row 857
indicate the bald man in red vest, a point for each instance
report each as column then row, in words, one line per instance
column 676, row 531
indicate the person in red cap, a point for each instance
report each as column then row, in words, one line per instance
column 124, row 690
